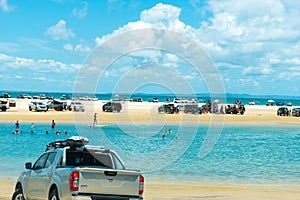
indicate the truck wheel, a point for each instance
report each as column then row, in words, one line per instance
column 53, row 194
column 18, row 194
column 3, row 109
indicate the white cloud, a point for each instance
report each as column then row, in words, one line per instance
column 68, row 47
column 18, row 77
column 255, row 40
column 77, row 48
column 40, row 78
column 82, row 48
column 4, row 6
column 60, row 31
column 80, row 12
column 42, row 65
column 159, row 16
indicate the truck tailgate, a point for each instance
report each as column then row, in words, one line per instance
column 109, row 181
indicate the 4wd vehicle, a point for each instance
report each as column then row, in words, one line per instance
column 283, row 111
column 296, row 112
column 24, row 96
column 112, row 107
column 70, row 169
column 56, row 105
column 168, row 108
column 4, row 105
column 76, row 106
column 37, row 106
column 192, row 108
column 4, row 95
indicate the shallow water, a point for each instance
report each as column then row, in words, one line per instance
column 242, row 154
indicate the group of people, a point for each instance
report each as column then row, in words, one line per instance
column 53, row 125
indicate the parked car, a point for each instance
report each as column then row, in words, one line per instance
column 65, row 97
column 168, row 108
column 283, row 111
column 112, row 107
column 296, row 112
column 42, row 96
column 139, row 99
column 24, row 96
column 192, row 108
column 71, row 169
column 4, row 95
column 154, row 100
column 37, row 106
column 56, row 105
column 76, row 106
column 4, row 105
column 280, row 103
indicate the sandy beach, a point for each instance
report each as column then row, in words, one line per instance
column 146, row 112
column 141, row 112
column 187, row 192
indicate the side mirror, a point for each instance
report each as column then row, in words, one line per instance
column 28, row 165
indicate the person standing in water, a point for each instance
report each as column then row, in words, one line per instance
column 17, row 127
column 32, row 126
column 95, row 119
column 53, row 124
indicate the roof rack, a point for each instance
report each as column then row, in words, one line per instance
column 72, row 142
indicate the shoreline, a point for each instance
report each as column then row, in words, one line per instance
column 157, row 191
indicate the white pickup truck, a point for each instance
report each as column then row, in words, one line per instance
column 71, row 169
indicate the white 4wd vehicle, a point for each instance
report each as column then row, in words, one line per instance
column 70, row 170
column 37, row 106
column 76, row 106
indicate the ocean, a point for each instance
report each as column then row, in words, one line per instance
column 265, row 155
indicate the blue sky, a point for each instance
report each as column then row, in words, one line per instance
column 254, row 44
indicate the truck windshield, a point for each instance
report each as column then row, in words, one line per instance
column 82, row 158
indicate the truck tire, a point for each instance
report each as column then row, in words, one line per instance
column 3, row 109
column 53, row 194
column 18, row 194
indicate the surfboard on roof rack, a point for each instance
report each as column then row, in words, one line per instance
column 72, row 142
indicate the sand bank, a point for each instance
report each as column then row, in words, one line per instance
column 141, row 112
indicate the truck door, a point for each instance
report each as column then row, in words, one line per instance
column 40, row 177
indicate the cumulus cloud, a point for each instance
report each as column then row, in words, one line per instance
column 80, row 12
column 256, row 40
column 41, row 65
column 159, row 16
column 60, row 31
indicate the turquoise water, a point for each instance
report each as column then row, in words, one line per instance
column 243, row 154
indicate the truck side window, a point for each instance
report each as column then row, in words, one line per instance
column 50, row 159
column 40, row 163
